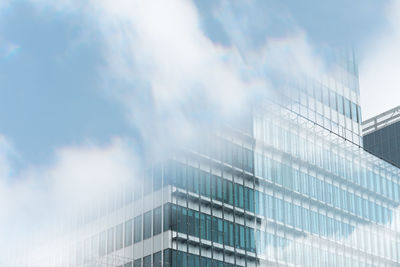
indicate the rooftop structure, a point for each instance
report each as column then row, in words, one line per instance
column 381, row 121
column 382, row 136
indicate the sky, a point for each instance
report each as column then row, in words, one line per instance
column 58, row 86
column 86, row 83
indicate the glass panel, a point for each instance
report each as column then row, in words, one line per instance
column 157, row 221
column 138, row 229
column 119, row 237
column 157, row 259
column 147, row 261
column 147, row 224
column 128, row 233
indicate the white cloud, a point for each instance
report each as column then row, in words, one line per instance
column 174, row 73
column 379, row 71
column 32, row 202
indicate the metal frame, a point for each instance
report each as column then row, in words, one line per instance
column 381, row 121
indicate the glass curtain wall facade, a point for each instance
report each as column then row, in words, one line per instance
column 296, row 190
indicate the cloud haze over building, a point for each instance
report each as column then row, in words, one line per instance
column 90, row 92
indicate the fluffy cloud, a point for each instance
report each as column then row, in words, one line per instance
column 33, row 201
column 170, row 75
column 379, row 78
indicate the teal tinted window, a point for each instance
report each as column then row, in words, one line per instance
column 157, row 259
column 147, row 261
column 138, row 228
column 167, row 258
column 167, row 217
column 157, row 221
column 196, row 224
column 205, row 183
column 239, row 196
column 228, row 192
column 147, row 222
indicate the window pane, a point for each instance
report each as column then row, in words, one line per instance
column 167, row 258
column 147, row 225
column 157, row 259
column 128, row 233
column 157, row 221
column 340, row 104
column 190, row 222
column 119, row 236
column 138, row 229
column 137, row 263
column 147, row 261
column 347, row 108
column 167, row 217
column 208, row 227
column 196, row 223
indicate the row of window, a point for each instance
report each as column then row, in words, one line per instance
column 299, row 254
column 201, row 225
column 201, row 182
column 132, row 231
column 322, row 155
column 334, row 100
column 206, row 227
column 205, row 184
column 146, row 261
column 296, row 253
column 176, row 258
column 321, row 190
column 225, row 232
column 229, row 152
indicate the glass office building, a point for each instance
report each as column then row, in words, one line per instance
column 382, row 136
column 294, row 188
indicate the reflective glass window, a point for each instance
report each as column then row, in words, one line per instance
column 157, row 221
column 128, row 233
column 138, row 229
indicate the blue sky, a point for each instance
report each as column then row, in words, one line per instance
column 56, row 88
